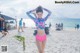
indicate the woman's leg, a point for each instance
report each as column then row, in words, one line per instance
column 22, row 29
column 18, row 29
column 43, row 45
column 39, row 45
column 4, row 33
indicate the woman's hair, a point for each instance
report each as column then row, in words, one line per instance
column 39, row 9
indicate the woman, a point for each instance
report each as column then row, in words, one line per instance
column 40, row 25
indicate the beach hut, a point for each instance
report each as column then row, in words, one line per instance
column 11, row 22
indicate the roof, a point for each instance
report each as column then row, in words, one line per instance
column 6, row 17
column 1, row 19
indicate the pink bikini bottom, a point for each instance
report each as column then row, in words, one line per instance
column 41, row 37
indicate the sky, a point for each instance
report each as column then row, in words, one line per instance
column 18, row 8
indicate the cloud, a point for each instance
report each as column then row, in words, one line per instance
column 19, row 7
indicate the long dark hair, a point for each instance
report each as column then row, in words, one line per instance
column 39, row 9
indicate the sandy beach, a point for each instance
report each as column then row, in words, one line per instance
column 66, row 41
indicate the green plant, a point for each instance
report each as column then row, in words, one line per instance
column 22, row 40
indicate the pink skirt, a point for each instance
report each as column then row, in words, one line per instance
column 41, row 37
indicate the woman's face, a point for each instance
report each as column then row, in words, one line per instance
column 39, row 14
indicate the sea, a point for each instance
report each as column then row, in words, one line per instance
column 67, row 22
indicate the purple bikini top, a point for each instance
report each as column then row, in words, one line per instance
column 40, row 22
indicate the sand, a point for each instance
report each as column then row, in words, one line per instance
column 66, row 41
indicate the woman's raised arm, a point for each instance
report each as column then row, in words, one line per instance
column 29, row 14
column 49, row 13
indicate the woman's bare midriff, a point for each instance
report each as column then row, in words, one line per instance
column 40, row 32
